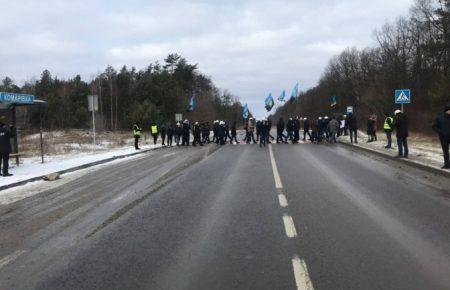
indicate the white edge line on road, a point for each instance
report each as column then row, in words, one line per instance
column 283, row 200
column 301, row 274
column 289, row 226
column 8, row 259
column 276, row 175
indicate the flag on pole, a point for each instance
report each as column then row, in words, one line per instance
column 245, row 112
column 282, row 96
column 333, row 101
column 269, row 103
column 191, row 106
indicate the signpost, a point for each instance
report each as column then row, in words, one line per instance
column 402, row 97
column 349, row 110
column 93, row 106
column 178, row 117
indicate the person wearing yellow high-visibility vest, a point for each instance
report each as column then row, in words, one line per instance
column 154, row 131
column 388, row 128
column 137, row 131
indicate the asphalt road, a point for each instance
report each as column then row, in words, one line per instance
column 241, row 217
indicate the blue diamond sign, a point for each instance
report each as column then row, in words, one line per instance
column 403, row 96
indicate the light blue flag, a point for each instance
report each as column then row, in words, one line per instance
column 191, row 104
column 245, row 112
column 294, row 93
column 282, row 96
column 333, row 101
column 269, row 103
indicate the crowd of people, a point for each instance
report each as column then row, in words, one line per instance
column 295, row 129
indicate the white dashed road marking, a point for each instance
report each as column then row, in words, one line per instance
column 276, row 175
column 289, row 226
column 301, row 274
column 282, row 199
column 8, row 259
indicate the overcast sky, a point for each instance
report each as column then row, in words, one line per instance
column 251, row 48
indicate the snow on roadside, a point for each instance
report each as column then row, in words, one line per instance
column 420, row 150
column 32, row 167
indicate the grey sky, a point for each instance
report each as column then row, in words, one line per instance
column 251, row 48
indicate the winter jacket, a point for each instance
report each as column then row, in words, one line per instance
column 306, row 125
column 352, row 123
column 5, row 136
column 169, row 131
column 401, row 125
column 333, row 126
column 442, row 126
column 280, row 126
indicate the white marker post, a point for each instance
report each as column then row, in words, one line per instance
column 93, row 106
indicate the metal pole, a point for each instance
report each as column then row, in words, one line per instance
column 402, row 108
column 40, row 133
column 14, row 123
column 93, row 120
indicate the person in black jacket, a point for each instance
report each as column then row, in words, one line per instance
column 178, row 131
column 205, row 133
column 6, row 132
column 296, row 126
column 185, row 133
column 306, row 129
column 353, row 128
column 280, row 130
column 264, row 133
column 402, row 131
column 163, row 131
column 442, row 126
column 290, row 130
column 233, row 134
column 169, row 135
column 197, row 135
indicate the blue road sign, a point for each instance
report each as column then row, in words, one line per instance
column 403, row 96
column 16, row 98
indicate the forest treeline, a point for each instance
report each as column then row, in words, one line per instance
column 153, row 94
column 412, row 53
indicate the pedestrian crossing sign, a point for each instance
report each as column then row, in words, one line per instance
column 403, row 96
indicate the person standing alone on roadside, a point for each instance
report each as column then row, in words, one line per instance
column 137, row 131
column 442, row 126
column 401, row 128
column 388, row 128
column 353, row 128
column 6, row 132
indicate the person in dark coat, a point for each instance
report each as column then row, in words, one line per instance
column 205, row 133
column 370, row 130
column 280, row 130
column 442, row 126
column 215, row 131
column 169, row 135
column 227, row 132
column 353, row 128
column 233, row 133
column 402, row 131
column 269, row 124
column 290, row 130
column 197, row 135
column 6, row 132
column 178, row 131
column 163, row 131
column 306, row 127
column 264, row 133
column 185, row 133
column 296, row 126
column 221, row 133
column 258, row 130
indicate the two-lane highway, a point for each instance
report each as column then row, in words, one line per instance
column 242, row 217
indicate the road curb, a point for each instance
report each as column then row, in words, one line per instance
column 83, row 166
column 400, row 160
